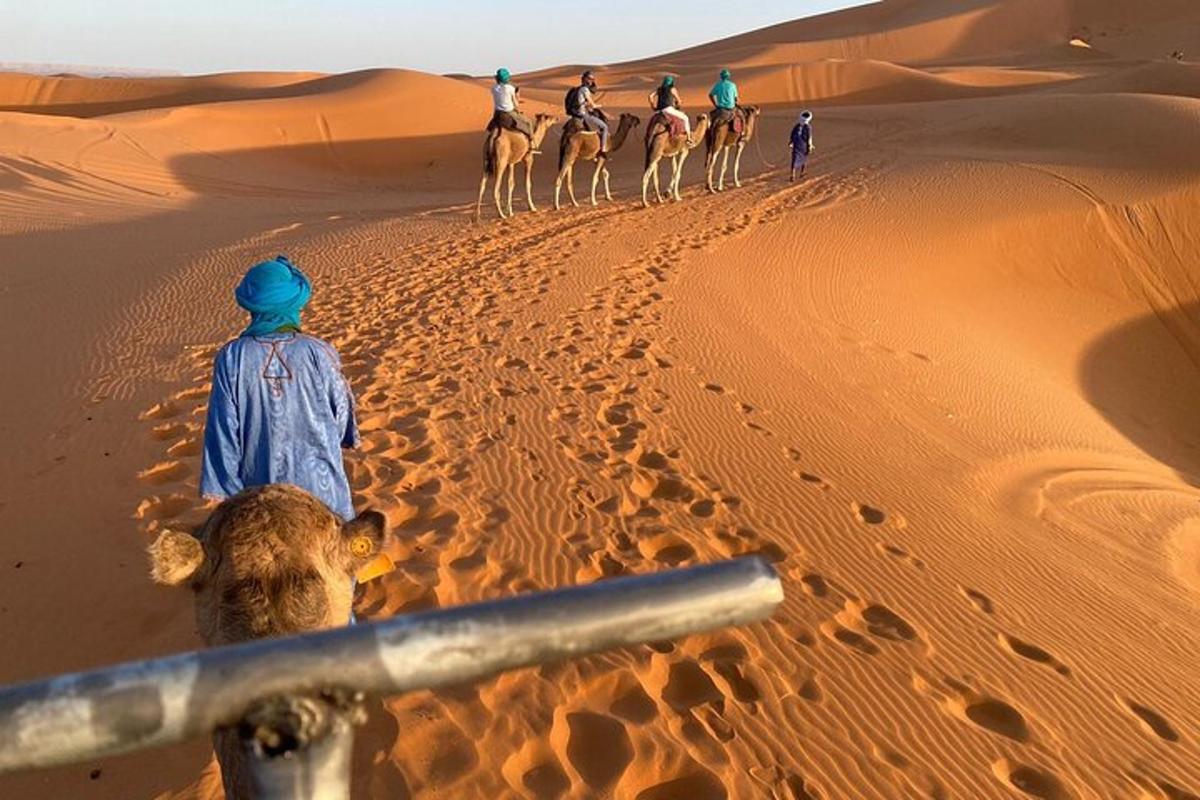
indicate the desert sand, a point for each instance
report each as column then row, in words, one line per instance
column 948, row 384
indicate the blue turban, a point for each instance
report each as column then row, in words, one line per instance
column 273, row 292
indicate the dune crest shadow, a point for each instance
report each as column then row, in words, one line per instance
column 1144, row 377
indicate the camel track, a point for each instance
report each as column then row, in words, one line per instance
column 519, row 394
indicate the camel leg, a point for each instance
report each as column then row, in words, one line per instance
column 737, row 165
column 512, row 180
column 529, row 183
column 607, row 191
column 677, row 176
column 571, row 185
column 710, row 165
column 596, row 179
column 498, row 184
column 724, row 169
column 483, row 188
column 653, row 168
column 657, row 189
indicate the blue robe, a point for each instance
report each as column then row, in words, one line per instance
column 801, row 140
column 280, row 412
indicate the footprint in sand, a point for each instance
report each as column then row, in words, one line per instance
column 901, row 554
column 1032, row 652
column 727, row 661
column 1030, row 780
column 164, row 410
column 742, row 541
column 165, row 472
column 546, row 780
column 978, row 599
column 810, row 690
column 1150, row 720
column 801, row 789
column 698, row 785
column 667, row 548
column 635, row 706
column 848, row 638
column 868, row 515
column 689, row 686
column 815, row 480
column 170, row 430
column 189, row 446
column 163, row 508
column 877, row 620
column 814, row 585
column 598, row 748
column 977, row 708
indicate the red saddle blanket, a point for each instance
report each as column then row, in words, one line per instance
column 659, row 122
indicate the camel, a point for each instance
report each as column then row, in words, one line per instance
column 585, row 145
column 721, row 140
column 271, row 561
column 502, row 151
column 664, row 145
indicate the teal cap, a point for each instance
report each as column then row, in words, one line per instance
column 503, row 75
column 726, row 74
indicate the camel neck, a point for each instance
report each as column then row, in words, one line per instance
column 620, row 136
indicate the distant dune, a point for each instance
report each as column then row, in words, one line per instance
column 82, row 70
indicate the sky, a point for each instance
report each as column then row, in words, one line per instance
column 442, row 36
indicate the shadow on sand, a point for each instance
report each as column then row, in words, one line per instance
column 1144, row 377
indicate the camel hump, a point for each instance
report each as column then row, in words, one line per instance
column 574, row 126
column 662, row 123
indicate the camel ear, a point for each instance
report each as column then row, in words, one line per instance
column 364, row 537
column 175, row 558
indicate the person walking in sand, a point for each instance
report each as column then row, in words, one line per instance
column 802, row 144
column 506, row 105
column 280, row 410
column 665, row 100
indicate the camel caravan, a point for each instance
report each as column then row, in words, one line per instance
column 588, row 135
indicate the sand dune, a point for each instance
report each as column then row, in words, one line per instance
column 947, row 385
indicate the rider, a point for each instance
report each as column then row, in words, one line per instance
column 665, row 100
column 724, row 97
column 506, row 100
column 582, row 105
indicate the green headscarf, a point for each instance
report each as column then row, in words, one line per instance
column 726, row 74
column 503, row 75
column 668, row 82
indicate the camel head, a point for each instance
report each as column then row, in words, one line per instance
column 629, row 122
column 271, row 561
column 542, row 124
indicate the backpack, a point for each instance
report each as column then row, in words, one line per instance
column 572, row 101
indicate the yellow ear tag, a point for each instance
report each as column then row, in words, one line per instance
column 381, row 566
column 362, row 546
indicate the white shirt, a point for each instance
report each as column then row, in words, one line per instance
column 504, row 97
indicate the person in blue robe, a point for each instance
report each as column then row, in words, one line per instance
column 802, row 144
column 280, row 410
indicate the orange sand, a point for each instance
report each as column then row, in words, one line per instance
column 948, row 384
